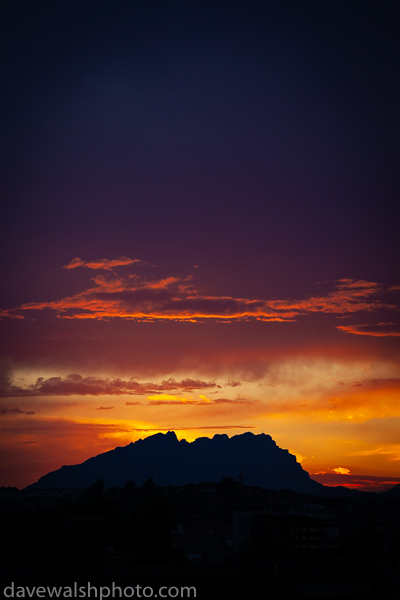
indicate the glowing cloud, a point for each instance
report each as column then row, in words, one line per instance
column 176, row 299
column 103, row 263
column 166, row 397
column 379, row 330
column 341, row 471
column 158, row 399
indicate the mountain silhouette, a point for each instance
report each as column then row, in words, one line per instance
column 256, row 459
column 393, row 493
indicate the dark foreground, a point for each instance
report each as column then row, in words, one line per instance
column 224, row 540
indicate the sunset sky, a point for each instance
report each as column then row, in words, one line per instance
column 201, row 230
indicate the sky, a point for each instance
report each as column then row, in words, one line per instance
column 200, row 230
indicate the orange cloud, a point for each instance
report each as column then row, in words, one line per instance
column 350, row 296
column 10, row 314
column 177, row 399
column 198, row 427
column 159, row 399
column 103, row 263
column 341, row 471
column 135, row 298
column 379, row 330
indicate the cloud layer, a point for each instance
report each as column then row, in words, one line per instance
column 132, row 297
column 75, row 384
column 316, row 379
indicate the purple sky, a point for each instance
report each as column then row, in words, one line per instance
column 200, row 192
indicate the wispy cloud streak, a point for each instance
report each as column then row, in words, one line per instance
column 132, row 297
column 15, row 411
column 102, row 263
column 379, row 330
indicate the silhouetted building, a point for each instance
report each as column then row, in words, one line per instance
column 270, row 532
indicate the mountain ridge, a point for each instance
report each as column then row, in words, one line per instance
column 255, row 459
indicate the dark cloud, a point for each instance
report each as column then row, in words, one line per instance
column 16, row 411
column 228, row 401
column 177, row 402
column 20, row 443
column 391, row 383
column 234, row 383
column 75, row 384
column 184, row 401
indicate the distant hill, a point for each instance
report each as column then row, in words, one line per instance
column 393, row 493
column 257, row 458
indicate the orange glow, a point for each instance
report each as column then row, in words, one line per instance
column 380, row 330
column 175, row 299
column 104, row 263
column 167, row 397
column 333, row 402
